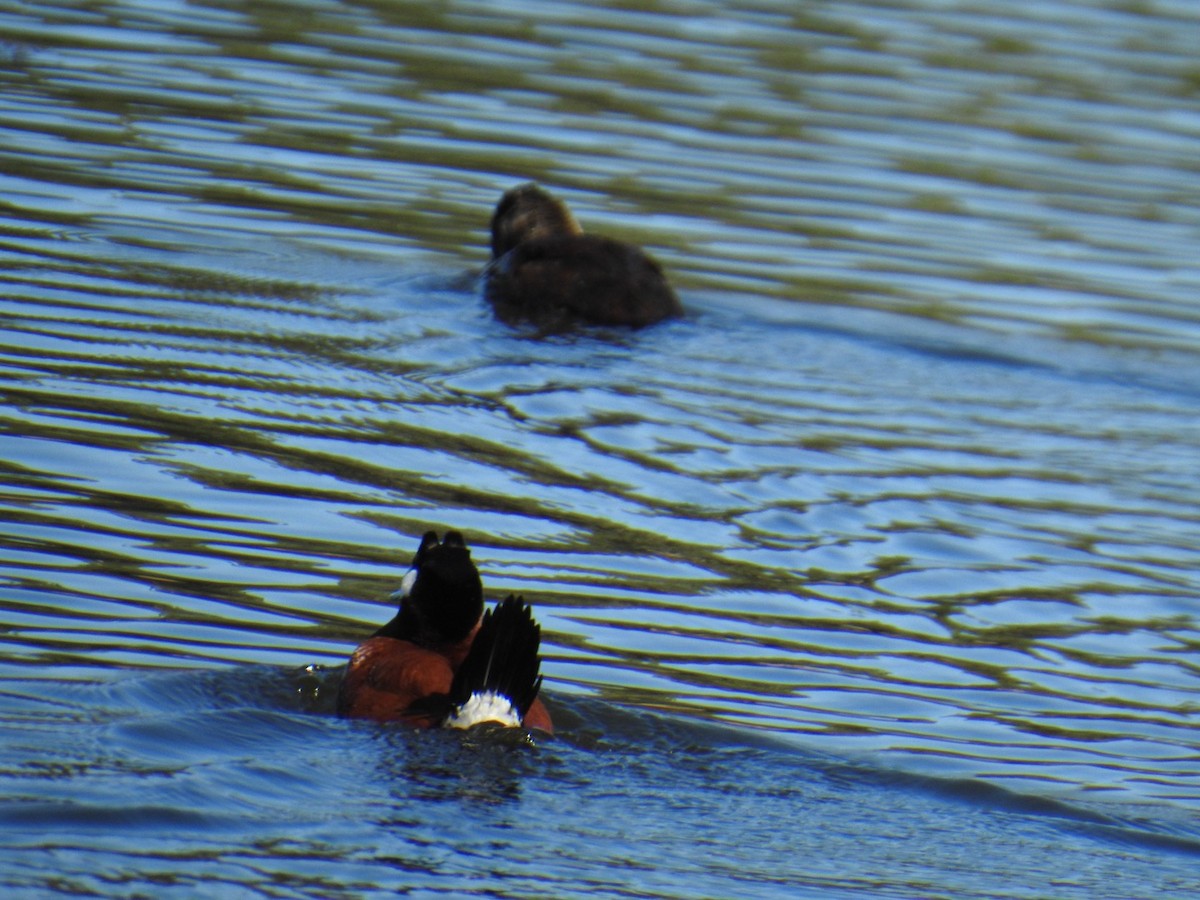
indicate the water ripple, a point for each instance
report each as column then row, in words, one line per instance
column 915, row 480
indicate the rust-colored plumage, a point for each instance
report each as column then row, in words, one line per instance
column 406, row 671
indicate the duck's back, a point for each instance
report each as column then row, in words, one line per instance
column 389, row 679
column 563, row 278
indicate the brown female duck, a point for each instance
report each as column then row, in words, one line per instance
column 544, row 269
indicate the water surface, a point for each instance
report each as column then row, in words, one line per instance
column 875, row 575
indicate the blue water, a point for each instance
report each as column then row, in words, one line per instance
column 873, row 576
column 239, row 783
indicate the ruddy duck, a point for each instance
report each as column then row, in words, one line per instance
column 442, row 660
column 544, row 269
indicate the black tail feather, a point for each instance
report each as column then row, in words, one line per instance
column 503, row 658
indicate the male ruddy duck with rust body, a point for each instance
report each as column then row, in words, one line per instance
column 442, row 660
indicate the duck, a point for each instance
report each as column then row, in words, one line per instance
column 544, row 269
column 442, row 660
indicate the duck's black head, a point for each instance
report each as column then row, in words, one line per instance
column 528, row 213
column 441, row 597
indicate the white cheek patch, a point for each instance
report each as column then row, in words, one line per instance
column 406, row 586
